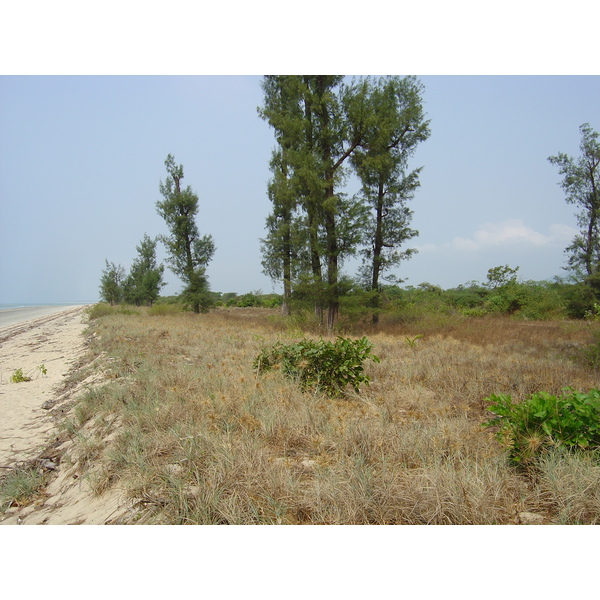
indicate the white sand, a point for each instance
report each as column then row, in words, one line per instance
column 26, row 428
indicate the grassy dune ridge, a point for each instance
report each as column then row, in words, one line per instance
column 193, row 434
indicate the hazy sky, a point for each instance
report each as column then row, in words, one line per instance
column 81, row 158
column 83, row 139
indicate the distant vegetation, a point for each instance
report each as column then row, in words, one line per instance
column 526, row 300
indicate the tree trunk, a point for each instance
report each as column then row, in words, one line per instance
column 311, row 212
column 377, row 248
column 287, row 291
column 329, row 209
column 333, row 304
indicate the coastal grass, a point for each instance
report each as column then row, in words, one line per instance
column 193, row 434
column 20, row 486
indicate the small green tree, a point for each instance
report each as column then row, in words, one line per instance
column 498, row 277
column 111, row 283
column 189, row 254
column 143, row 284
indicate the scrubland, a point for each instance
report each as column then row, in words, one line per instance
column 192, row 434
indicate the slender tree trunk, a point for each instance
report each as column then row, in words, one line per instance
column 593, row 228
column 311, row 211
column 377, row 249
column 330, row 208
column 333, row 303
column 287, row 270
column 589, row 244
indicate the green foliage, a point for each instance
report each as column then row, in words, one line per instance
column 188, row 253
column 143, row 284
column 19, row 377
column 111, row 283
column 253, row 299
column 101, row 309
column 410, row 305
column 501, row 276
column 43, row 369
column 324, row 130
column 529, row 427
column 325, row 366
column 247, row 300
column 196, row 293
column 593, row 314
column 412, row 342
column 164, row 309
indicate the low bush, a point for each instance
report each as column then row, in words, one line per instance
column 102, row 309
column 18, row 376
column 325, row 366
column 527, row 428
column 161, row 310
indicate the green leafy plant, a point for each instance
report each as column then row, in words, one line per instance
column 326, row 366
column 43, row 369
column 19, row 377
column 412, row 343
column 527, row 428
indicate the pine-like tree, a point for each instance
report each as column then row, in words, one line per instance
column 189, row 254
column 394, row 123
column 321, row 126
column 145, row 279
column 111, row 283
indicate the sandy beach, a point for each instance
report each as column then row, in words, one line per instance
column 46, row 349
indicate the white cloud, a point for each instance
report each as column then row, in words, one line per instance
column 511, row 232
column 426, row 247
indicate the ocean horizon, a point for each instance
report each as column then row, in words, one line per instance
column 13, row 305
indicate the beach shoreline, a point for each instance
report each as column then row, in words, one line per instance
column 46, row 349
column 13, row 315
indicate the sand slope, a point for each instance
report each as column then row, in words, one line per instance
column 28, row 423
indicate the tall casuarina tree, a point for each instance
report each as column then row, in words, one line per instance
column 188, row 253
column 394, row 125
column 307, row 114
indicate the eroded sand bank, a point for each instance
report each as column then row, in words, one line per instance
column 28, row 417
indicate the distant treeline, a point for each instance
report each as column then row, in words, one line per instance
column 231, row 299
column 501, row 295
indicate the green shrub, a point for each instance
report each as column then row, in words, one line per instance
column 162, row 310
column 19, row 377
column 325, row 366
column 527, row 428
column 102, row 309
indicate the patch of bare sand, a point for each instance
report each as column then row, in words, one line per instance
column 28, row 420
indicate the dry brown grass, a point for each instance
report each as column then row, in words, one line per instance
column 194, row 435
